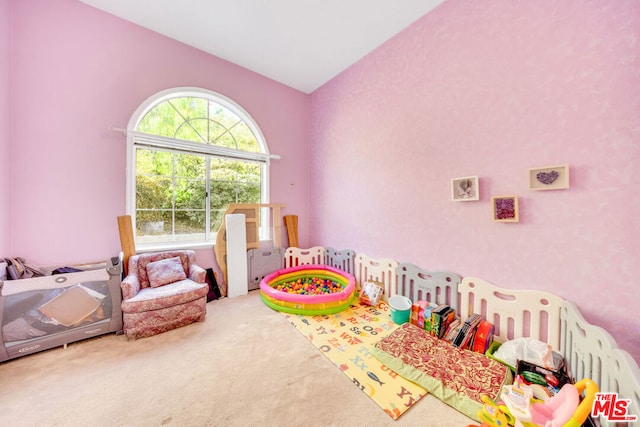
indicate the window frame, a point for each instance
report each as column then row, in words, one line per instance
column 137, row 139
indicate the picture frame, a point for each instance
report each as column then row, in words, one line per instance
column 505, row 208
column 549, row 178
column 465, row 189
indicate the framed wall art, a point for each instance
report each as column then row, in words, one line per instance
column 505, row 208
column 465, row 189
column 549, row 178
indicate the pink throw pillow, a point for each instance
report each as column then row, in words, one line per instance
column 165, row 271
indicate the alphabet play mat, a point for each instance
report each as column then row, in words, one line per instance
column 347, row 338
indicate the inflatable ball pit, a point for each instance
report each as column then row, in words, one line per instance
column 308, row 290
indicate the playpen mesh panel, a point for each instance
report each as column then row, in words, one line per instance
column 383, row 271
column 439, row 287
column 296, row 256
column 342, row 260
column 11, row 287
column 514, row 313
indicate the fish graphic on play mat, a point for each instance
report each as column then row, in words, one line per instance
column 374, row 377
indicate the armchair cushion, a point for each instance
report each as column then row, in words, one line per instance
column 176, row 293
column 165, row 271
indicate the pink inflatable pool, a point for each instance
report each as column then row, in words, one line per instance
column 308, row 290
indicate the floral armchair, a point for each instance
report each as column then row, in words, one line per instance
column 162, row 291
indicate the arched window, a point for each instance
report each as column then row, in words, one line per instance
column 190, row 153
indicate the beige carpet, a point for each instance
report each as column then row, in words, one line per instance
column 244, row 366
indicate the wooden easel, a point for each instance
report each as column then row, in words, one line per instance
column 251, row 213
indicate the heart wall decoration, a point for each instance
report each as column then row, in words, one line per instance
column 549, row 178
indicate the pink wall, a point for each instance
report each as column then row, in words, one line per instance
column 78, row 70
column 492, row 89
column 5, row 121
column 488, row 89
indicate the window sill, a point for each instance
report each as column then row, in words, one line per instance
column 157, row 247
column 168, row 246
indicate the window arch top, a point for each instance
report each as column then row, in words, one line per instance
column 201, row 117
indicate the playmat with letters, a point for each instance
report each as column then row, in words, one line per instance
column 347, row 338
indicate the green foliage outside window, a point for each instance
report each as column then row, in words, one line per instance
column 171, row 186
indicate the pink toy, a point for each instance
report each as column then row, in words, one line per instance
column 562, row 410
column 557, row 410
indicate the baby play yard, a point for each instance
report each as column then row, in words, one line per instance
column 501, row 357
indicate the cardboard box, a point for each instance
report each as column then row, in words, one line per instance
column 441, row 317
column 428, row 310
column 417, row 313
column 467, row 331
column 371, row 293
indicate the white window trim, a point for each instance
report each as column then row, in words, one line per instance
column 169, row 143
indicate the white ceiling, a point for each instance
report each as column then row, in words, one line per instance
column 300, row 43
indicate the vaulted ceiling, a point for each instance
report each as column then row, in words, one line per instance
column 300, row 43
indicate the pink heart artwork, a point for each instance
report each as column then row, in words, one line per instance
column 547, row 177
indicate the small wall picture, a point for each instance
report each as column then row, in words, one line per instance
column 505, row 208
column 549, row 178
column 465, row 189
